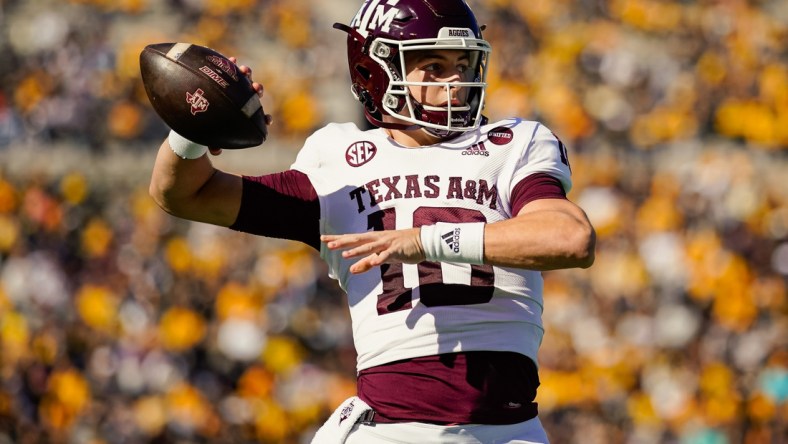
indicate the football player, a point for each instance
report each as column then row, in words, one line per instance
column 437, row 223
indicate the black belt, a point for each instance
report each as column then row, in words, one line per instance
column 368, row 417
column 371, row 417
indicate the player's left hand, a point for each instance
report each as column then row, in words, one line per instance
column 247, row 71
column 378, row 247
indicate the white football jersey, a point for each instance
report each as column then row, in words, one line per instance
column 367, row 181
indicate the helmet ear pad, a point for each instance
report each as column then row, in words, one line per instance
column 369, row 80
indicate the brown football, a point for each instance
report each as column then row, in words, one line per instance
column 202, row 95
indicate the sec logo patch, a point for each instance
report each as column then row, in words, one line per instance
column 360, row 153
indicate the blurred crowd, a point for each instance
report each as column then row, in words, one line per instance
column 120, row 324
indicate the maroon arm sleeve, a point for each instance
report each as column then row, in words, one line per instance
column 534, row 187
column 282, row 205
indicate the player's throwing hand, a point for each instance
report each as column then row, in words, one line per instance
column 378, row 247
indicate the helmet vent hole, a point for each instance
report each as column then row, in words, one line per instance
column 363, row 71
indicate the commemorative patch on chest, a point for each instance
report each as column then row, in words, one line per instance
column 500, row 135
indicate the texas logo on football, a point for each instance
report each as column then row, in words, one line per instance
column 198, row 101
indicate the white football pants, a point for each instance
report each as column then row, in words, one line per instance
column 344, row 427
column 528, row 432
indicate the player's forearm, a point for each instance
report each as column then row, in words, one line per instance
column 193, row 189
column 176, row 181
column 541, row 240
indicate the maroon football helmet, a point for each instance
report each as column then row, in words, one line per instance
column 379, row 37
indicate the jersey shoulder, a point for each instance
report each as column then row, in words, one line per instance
column 336, row 131
column 512, row 136
column 324, row 141
column 524, row 129
column 534, row 148
column 518, row 132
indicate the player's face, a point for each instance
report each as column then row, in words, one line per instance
column 445, row 65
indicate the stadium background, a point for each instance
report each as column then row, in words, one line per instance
column 121, row 324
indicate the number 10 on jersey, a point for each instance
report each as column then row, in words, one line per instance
column 434, row 292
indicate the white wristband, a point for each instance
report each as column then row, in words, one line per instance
column 445, row 242
column 185, row 148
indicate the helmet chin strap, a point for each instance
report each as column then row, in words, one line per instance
column 419, row 108
column 441, row 133
column 390, row 125
column 423, row 112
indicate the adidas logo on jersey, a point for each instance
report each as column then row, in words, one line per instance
column 452, row 239
column 477, row 149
